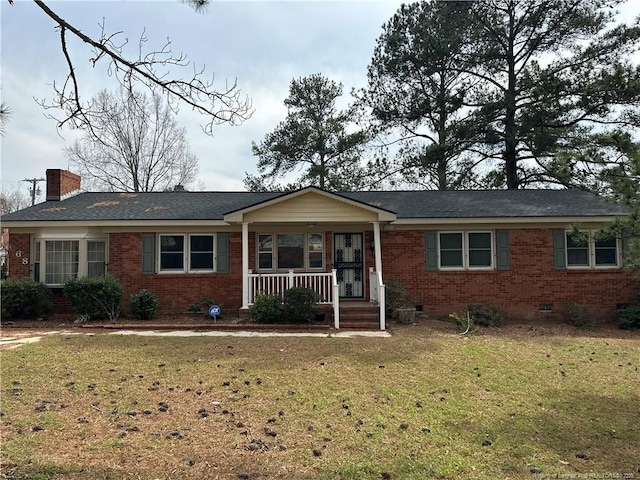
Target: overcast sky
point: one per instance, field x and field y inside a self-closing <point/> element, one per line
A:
<point x="262" y="44"/>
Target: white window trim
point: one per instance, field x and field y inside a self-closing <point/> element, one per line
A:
<point x="186" y="254"/>
<point x="83" y="263"/>
<point x="274" y="252"/>
<point x="591" y="253"/>
<point x="465" y="251"/>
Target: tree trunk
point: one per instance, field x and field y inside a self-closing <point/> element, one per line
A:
<point x="510" y="127"/>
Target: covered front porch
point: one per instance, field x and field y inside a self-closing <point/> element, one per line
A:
<point x="318" y="240"/>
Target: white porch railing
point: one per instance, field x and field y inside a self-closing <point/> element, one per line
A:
<point x="325" y="284"/>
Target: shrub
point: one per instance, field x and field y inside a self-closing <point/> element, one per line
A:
<point x="95" y="297"/>
<point x="486" y="315"/>
<point x="464" y="323"/>
<point x="24" y="298"/>
<point x="203" y="306"/>
<point x="144" y="304"/>
<point x="266" y="308"/>
<point x="298" y="305"/>
<point x="576" y="314"/>
<point x="629" y="318"/>
<point x="396" y="296"/>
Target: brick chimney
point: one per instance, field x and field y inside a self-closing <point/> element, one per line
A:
<point x="61" y="184"/>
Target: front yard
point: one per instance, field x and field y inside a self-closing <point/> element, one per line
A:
<point x="422" y="404"/>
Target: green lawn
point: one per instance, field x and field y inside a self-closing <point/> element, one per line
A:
<point x="422" y="404"/>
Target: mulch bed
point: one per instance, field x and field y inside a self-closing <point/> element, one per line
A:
<point x="168" y="322"/>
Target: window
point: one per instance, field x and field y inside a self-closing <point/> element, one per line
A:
<point x="589" y="252"/>
<point x="467" y="250"/>
<point x="61" y="261"/>
<point x="36" y="262"/>
<point x="172" y="252"/>
<point x="480" y="253"/>
<point x="265" y="252"/>
<point x="606" y="252"/>
<point x="56" y="260"/>
<point x="451" y="250"/>
<point x="577" y="251"/>
<point x="316" y="250"/>
<point x="96" y="259"/>
<point x="201" y="253"/>
<point x="187" y="253"/>
<point x="290" y="251"/>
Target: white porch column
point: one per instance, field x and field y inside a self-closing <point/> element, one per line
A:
<point x="381" y="286"/>
<point x="245" y="265"/>
<point x="378" y="251"/>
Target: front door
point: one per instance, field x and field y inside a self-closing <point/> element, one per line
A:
<point x="349" y="263"/>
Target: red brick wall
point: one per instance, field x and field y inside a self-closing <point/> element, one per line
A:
<point x="19" y="242"/>
<point x="531" y="281"/>
<point x="176" y="292"/>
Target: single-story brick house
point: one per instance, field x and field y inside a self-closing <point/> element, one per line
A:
<point x="448" y="249"/>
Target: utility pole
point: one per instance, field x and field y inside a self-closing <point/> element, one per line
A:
<point x="33" y="189"/>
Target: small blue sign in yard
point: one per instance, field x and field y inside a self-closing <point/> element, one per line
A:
<point x="214" y="311"/>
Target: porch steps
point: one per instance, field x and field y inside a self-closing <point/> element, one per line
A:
<point x="359" y="315"/>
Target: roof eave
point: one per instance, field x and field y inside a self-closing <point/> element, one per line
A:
<point x="112" y="223"/>
<point x="507" y="220"/>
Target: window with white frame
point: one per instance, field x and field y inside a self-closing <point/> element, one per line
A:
<point x="201" y="253"/>
<point x="172" y="253"/>
<point x="584" y="250"/>
<point x="96" y="259"/>
<point x="465" y="250"/>
<point x="57" y="260"/>
<point x="265" y="251"/>
<point x="187" y="253"/>
<point x="290" y="251"/>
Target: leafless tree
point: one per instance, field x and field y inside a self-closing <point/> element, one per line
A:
<point x="12" y="199"/>
<point x="134" y="145"/>
<point x="5" y="111"/>
<point x="151" y="68"/>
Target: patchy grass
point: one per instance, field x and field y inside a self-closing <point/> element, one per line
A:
<point x="422" y="404"/>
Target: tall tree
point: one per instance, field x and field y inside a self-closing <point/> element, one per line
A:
<point x="609" y="165"/>
<point x="315" y="138"/>
<point x="418" y="92"/>
<point x="134" y="145"/>
<point x="548" y="72"/>
<point x="505" y="82"/>
<point x="157" y="69"/>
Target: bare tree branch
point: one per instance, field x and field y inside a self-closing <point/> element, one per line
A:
<point x="152" y="70"/>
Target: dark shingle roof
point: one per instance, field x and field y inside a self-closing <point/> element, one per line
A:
<point x="491" y="203"/>
<point x="406" y="204"/>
